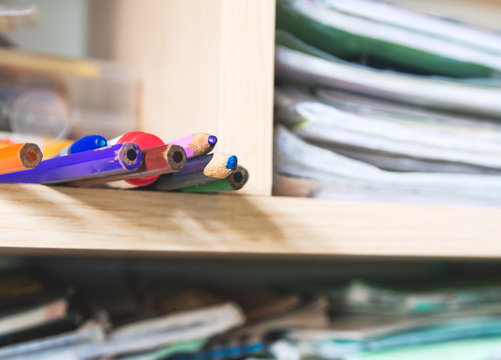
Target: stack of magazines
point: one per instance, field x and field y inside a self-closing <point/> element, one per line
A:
<point x="377" y="102"/>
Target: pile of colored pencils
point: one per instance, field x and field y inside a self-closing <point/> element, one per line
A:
<point x="136" y="159"/>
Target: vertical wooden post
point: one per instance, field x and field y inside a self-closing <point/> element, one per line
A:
<point x="203" y="65"/>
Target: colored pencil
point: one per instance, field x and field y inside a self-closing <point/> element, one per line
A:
<point x="49" y="146"/>
<point x="156" y="161"/>
<point x="197" y="171"/>
<point x="86" y="143"/>
<point x="197" y="144"/>
<point x="144" y="141"/>
<point x="115" y="159"/>
<point x="235" y="181"/>
<point x="19" y="157"/>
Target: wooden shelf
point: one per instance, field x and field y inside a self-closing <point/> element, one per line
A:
<point x="55" y="220"/>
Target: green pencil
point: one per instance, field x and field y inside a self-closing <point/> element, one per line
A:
<point x="235" y="181"/>
<point x="198" y="170"/>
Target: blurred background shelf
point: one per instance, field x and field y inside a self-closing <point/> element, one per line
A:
<point x="62" y="220"/>
<point x="209" y="66"/>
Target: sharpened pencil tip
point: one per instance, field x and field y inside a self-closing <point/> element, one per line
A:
<point x="232" y="162"/>
<point x="212" y="140"/>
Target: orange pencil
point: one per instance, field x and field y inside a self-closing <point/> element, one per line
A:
<point x="19" y="157"/>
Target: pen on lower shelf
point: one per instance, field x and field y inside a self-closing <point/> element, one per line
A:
<point x="144" y="141"/>
<point x="197" y="144"/>
<point x="156" y="161"/>
<point x="235" y="181"/>
<point x="19" y="157"/>
<point x="89" y="142"/>
<point x="197" y="171"/>
<point x="110" y="160"/>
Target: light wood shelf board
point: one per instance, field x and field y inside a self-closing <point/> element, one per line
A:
<point x="62" y="219"/>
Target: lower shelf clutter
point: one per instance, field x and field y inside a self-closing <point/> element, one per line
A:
<point x="84" y="308"/>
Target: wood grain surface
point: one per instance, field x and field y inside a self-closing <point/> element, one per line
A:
<point x="54" y="220"/>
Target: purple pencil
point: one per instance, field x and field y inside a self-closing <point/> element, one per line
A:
<point x="116" y="159"/>
<point x="197" y="144"/>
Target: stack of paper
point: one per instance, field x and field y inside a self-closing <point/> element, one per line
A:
<point x="383" y="103"/>
<point x="139" y="336"/>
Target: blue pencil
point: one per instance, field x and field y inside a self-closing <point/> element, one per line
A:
<point x="116" y="159"/>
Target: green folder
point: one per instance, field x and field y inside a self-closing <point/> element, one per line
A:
<point x="295" y="17"/>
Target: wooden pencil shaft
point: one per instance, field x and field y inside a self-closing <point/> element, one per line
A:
<point x="195" y="172"/>
<point x="19" y="157"/>
<point x="197" y="144"/>
<point x="202" y="144"/>
<point x="238" y="178"/>
<point x="156" y="161"/>
<point x="164" y="159"/>
<point x="235" y="181"/>
<point x="84" y="165"/>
